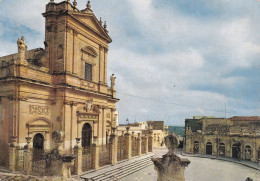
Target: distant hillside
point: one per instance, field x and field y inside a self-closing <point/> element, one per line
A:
<point x="177" y="130"/>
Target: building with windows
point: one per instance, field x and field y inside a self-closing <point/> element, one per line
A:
<point x="62" y="86"/>
<point x="157" y="129"/>
<point x="237" y="137"/>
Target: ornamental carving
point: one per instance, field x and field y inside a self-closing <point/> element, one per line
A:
<point x="108" y="115"/>
<point x="72" y="103"/>
<point x="39" y="110"/>
<point x="88" y="85"/>
<point x="96" y="109"/>
<point x="217" y="129"/>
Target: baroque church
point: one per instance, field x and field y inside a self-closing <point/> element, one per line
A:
<point x="61" y="87"/>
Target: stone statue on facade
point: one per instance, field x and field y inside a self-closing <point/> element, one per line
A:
<point x="170" y="167"/>
<point x="113" y="80"/>
<point x="22" y="48"/>
<point x="88" y="105"/>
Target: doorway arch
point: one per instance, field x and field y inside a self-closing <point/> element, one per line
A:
<point x="196" y="147"/>
<point x="222" y="149"/>
<point x="235" y="151"/>
<point x="38" y="141"/>
<point x="248" y="152"/>
<point x="209" y="148"/>
<point x="86" y="135"/>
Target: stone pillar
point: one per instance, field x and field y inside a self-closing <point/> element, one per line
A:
<point x="67" y="164"/>
<point x="95" y="154"/>
<point x="113" y="149"/>
<point x="139" y="145"/>
<point x="150" y="143"/>
<point x="12" y="155"/>
<point x="27" y="157"/>
<point x="128" y="140"/>
<point x="145" y="144"/>
<point x="78" y="159"/>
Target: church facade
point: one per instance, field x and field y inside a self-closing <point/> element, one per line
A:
<point x="62" y="86"/>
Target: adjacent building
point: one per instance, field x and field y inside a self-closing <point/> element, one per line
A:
<point x="157" y="129"/>
<point x="237" y="137"/>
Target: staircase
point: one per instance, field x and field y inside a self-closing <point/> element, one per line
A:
<point x="120" y="170"/>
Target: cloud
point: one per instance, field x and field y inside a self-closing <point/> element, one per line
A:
<point x="179" y="58"/>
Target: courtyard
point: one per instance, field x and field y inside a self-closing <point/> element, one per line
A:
<point x="201" y="169"/>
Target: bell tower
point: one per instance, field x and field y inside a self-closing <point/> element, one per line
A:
<point x="76" y="42"/>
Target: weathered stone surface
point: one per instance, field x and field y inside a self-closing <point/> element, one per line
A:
<point x="170" y="167"/>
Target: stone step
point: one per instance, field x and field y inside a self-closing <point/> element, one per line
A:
<point x="103" y="170"/>
<point x="123" y="171"/>
<point x="120" y="170"/>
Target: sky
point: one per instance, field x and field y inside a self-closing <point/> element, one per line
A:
<point x="173" y="59"/>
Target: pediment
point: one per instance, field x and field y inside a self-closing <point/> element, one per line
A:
<point x="92" y="23"/>
<point x="89" y="50"/>
<point x="39" y="122"/>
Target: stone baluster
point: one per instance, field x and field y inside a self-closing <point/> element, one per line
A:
<point x="95" y="154"/>
<point x="78" y="159"/>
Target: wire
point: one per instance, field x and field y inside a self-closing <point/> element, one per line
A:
<point x="167" y="102"/>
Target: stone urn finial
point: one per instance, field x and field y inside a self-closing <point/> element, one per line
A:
<point x="75" y="3"/>
<point x="127" y="129"/>
<point x="58" y="138"/>
<point x="28" y="141"/>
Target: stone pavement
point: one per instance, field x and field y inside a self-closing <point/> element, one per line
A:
<point x="4" y="176"/>
<point x="246" y="163"/>
<point x="201" y="169"/>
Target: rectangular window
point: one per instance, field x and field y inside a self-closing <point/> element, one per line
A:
<point x="88" y="72"/>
